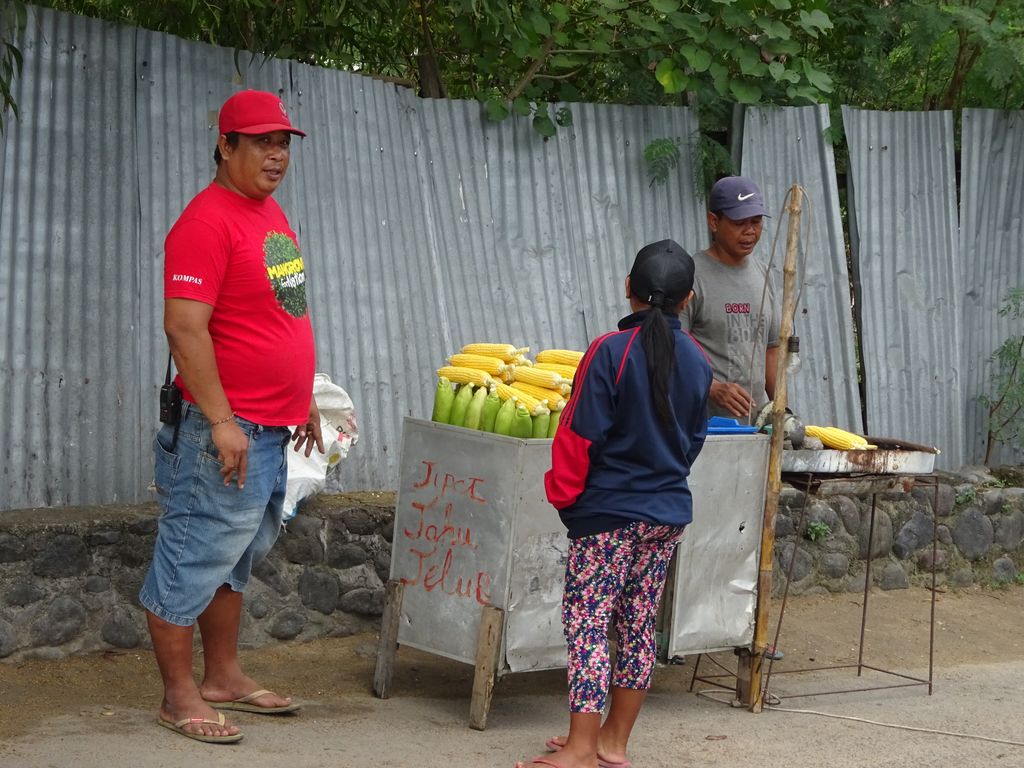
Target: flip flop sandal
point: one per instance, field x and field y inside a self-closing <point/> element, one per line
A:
<point x="179" y="727"/>
<point x="244" y="704"/>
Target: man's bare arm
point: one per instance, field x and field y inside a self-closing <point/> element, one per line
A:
<point x="771" y="369"/>
<point x="186" y="324"/>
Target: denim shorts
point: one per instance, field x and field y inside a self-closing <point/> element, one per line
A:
<point x="211" y="534"/>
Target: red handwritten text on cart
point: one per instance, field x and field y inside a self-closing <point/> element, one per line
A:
<point x="436" y="536"/>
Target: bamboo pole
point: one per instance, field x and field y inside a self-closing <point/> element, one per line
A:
<point x="753" y="698"/>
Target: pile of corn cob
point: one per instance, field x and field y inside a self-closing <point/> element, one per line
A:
<point x="839" y="439"/>
<point x="497" y="388"/>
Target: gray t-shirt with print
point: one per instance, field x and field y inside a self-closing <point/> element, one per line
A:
<point x="728" y="318"/>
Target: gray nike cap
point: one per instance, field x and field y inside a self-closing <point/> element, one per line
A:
<point x="736" y="197"/>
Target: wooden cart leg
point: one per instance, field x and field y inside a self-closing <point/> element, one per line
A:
<point x="388" y="640"/>
<point x="488" y="650"/>
<point x="748" y="665"/>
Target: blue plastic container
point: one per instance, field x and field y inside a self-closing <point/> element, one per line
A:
<point x="720" y="425"/>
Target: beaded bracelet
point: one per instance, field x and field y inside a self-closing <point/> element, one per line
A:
<point x="225" y="420"/>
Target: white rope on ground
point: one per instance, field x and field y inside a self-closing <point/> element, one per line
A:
<point x="773" y="707"/>
<point x="776" y="708"/>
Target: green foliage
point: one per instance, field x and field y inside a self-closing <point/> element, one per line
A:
<point x="543" y="52"/>
<point x="517" y="58"/>
<point x="926" y="55"/>
<point x="1004" y="403"/>
<point x="1004" y="583"/>
<point x="661" y="156"/>
<point x="12" y="22"/>
<point x="966" y="497"/>
<point x="817" y="530"/>
<point x="711" y="161"/>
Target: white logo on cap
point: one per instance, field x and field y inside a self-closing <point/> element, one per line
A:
<point x="283" y="110"/>
<point x="741" y="198"/>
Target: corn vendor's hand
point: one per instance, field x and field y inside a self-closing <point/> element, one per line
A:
<point x="732" y="397"/>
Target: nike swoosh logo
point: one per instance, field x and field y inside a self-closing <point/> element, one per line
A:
<point x="741" y="198"/>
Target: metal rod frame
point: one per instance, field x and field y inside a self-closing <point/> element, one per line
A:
<point x="860" y="666"/>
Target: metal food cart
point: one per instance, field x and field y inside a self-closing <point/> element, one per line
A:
<point x="478" y="555"/>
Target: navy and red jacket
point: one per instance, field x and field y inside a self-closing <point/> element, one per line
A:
<point x="612" y="461"/>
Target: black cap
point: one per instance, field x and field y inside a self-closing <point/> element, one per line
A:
<point x="662" y="274"/>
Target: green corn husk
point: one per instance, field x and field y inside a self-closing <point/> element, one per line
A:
<point x="460" y="405"/>
<point x="540" y="424"/>
<point x="491" y="407"/>
<point x="503" y="421"/>
<point x="553" y="423"/>
<point x="522" y="422"/>
<point x="444" y="396"/>
<point x="476" y="408"/>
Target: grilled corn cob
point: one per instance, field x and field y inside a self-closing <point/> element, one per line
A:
<point x="506" y="393"/>
<point x="460" y="375"/>
<point x="563" y="356"/>
<point x="552" y="397"/>
<point x="567" y="372"/>
<point x="541" y="378"/>
<point x="833" y="437"/>
<point x="493" y="365"/>
<point x="506" y="352"/>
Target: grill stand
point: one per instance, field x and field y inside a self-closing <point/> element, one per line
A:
<point x="813" y="484"/>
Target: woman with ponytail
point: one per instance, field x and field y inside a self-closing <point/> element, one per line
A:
<point x="626" y="441"/>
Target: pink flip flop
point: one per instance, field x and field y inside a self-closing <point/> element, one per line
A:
<point x="554" y="746"/>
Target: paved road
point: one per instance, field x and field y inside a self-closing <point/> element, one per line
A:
<point x="676" y="729"/>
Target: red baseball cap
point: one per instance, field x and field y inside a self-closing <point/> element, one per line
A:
<point x="252" y="112"/>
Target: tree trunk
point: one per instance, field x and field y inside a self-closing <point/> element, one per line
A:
<point x="431" y="86"/>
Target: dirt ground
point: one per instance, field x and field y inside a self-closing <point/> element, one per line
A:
<point x="974" y="626"/>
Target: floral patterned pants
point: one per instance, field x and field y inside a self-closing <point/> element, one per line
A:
<point x="620" y="572"/>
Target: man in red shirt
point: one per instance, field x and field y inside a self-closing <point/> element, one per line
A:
<point x="237" y="324"/>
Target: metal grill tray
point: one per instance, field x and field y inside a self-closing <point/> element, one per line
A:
<point x="880" y="461"/>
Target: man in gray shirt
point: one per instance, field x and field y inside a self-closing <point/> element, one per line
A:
<point x="733" y="313"/>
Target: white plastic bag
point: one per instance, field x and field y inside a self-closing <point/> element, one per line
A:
<point x="308" y="474"/>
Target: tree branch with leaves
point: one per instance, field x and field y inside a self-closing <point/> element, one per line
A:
<point x="13" y="18"/>
<point x="1004" y="405"/>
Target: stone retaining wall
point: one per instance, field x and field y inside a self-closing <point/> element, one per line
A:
<point x="69" y="578"/>
<point x="980" y="528"/>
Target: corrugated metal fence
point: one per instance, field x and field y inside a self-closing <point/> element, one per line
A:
<point x="425" y="227"/>
<point x="908" y="268"/>
<point x="992" y="250"/>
